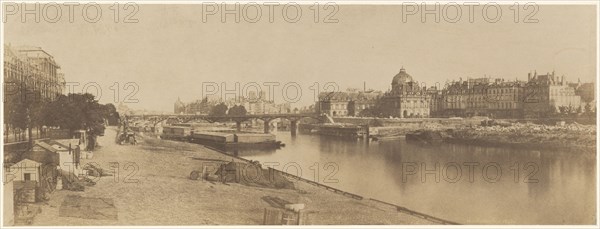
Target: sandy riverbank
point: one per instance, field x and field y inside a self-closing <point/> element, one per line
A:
<point x="163" y="194"/>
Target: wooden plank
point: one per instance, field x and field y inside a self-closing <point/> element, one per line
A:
<point x="272" y="216"/>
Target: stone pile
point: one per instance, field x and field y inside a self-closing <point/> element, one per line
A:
<point x="529" y="128"/>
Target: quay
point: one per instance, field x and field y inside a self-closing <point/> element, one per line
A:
<point x="356" y="197"/>
<point x="164" y="167"/>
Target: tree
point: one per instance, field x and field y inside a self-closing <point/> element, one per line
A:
<point x="376" y="110"/>
<point x="110" y="114"/>
<point x="76" y="112"/>
<point x="237" y="111"/>
<point x="562" y="109"/>
<point x="23" y="111"/>
<point x="219" y="110"/>
<point x="367" y="112"/>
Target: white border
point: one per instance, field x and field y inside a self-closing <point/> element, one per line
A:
<point x="345" y="2"/>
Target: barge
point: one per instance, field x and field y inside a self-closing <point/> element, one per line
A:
<point x="336" y="130"/>
<point x="235" y="140"/>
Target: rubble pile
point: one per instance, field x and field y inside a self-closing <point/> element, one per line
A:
<point x="528" y="134"/>
<point x="433" y="126"/>
<point x="96" y="171"/>
<point x="530" y="128"/>
<point x="73" y="183"/>
<point x="250" y="174"/>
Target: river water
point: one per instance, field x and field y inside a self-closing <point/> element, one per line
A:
<point x="461" y="183"/>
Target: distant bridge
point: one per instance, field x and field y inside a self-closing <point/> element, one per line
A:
<point x="238" y="119"/>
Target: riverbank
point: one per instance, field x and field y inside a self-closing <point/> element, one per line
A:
<point x="572" y="137"/>
<point x="504" y="133"/>
<point x="152" y="187"/>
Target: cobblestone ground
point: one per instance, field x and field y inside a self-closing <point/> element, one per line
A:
<point x="151" y="187"/>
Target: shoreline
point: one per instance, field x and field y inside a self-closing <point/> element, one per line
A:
<point x="549" y="145"/>
<point x="572" y="137"/>
<point x="162" y="193"/>
<point x="333" y="191"/>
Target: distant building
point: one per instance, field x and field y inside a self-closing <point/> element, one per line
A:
<point x="493" y="97"/>
<point x="406" y="98"/>
<point x="454" y="99"/>
<point x="435" y="101"/>
<point x="545" y="94"/>
<point x="364" y="100"/>
<point x="505" y="99"/>
<point x="333" y="103"/>
<point x="254" y="104"/>
<point x="32" y="68"/>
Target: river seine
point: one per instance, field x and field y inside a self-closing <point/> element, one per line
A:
<point x="461" y="183"/>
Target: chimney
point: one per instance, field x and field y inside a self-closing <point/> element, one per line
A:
<point x="364" y="86"/>
<point x="529" y="76"/>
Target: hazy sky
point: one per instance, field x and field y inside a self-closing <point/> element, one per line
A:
<point x="170" y="52"/>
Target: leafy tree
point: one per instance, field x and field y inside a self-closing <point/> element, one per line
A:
<point x="76" y="112"/>
<point x="219" y="110"/>
<point x="237" y="110"/>
<point x="23" y="111"/>
<point x="562" y="109"/>
<point x="110" y="114"/>
<point x="367" y="112"/>
<point x="377" y="110"/>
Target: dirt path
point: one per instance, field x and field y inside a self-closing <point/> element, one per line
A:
<point x="151" y="187"/>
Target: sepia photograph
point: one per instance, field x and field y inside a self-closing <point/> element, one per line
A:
<point x="382" y="114"/>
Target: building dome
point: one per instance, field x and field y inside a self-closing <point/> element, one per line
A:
<point x="402" y="77"/>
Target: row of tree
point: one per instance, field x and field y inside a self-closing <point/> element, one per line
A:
<point x="221" y="109"/>
<point x="574" y="111"/>
<point x="71" y="112"/>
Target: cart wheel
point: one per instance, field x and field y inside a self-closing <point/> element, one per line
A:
<point x="194" y="175"/>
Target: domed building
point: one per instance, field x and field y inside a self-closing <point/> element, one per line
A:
<point x="407" y="98"/>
